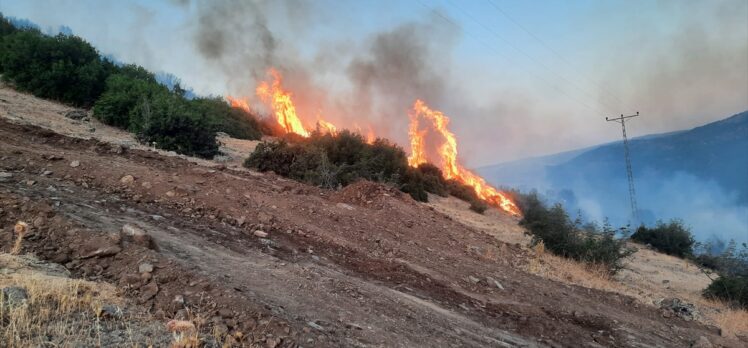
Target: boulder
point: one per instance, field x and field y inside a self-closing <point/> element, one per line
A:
<point x="127" y="179"/>
<point x="76" y="115"/>
<point x="75" y="164"/>
<point x="677" y="307"/>
<point x="145" y="267"/>
<point x="14" y="296"/>
<point x="148" y="291"/>
<point x="138" y="236"/>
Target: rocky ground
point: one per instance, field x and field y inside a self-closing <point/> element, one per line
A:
<point x="257" y="260"/>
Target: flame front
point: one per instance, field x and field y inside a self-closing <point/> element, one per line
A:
<point x="328" y="127"/>
<point x="238" y="103"/>
<point x="448" y="156"/>
<point x="280" y="101"/>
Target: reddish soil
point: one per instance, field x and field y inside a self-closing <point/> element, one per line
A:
<point x="365" y="266"/>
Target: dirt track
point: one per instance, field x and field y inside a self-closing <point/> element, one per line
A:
<point x="365" y="267"/>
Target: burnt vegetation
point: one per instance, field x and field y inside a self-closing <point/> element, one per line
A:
<point x="68" y="69"/>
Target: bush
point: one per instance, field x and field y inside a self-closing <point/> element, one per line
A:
<point x="64" y="68"/>
<point x="168" y="121"/>
<point x="731" y="289"/>
<point x="732" y="266"/>
<point x="235" y="122"/>
<point x="672" y="238"/>
<point x="124" y="91"/>
<point x="6" y="27"/>
<point x="570" y="239"/>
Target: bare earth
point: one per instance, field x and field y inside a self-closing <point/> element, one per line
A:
<point x="290" y="265"/>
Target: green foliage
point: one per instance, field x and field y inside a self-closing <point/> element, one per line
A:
<point x="339" y="160"/>
<point x="170" y="122"/>
<point x="672" y="238"/>
<point x="731" y="289"/>
<point x="570" y="239"/>
<point x="63" y="67"/>
<point x="235" y="122"/>
<point x="6" y="27"/>
<point x="124" y="91"/>
<point x="732" y="266"/>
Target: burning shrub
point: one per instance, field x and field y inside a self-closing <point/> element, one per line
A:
<point x="64" y="67"/>
<point x="672" y="238"/>
<point x="568" y="238"/>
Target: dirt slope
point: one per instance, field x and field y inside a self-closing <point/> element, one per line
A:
<point x="292" y="265"/>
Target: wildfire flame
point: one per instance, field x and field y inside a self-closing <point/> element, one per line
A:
<point x="328" y="127"/>
<point x="448" y="156"/>
<point x="280" y="101"/>
<point x="238" y="103"/>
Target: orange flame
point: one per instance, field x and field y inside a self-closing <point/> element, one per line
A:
<point x="448" y="156"/>
<point x="239" y="103"/>
<point x="328" y="127"/>
<point x="281" y="103"/>
<point x="370" y="137"/>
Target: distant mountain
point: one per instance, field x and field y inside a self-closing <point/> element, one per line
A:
<point x="699" y="175"/>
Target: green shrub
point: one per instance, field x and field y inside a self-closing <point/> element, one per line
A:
<point x="235" y="122"/>
<point x="672" y="238"/>
<point x="124" y="91"/>
<point x="570" y="239"/>
<point x="168" y="121"/>
<point x="64" y="68"/>
<point x="732" y="267"/>
<point x="6" y="27"/>
<point x="731" y="289"/>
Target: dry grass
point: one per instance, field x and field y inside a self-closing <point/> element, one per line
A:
<point x="54" y="305"/>
<point x="20" y="230"/>
<point x="651" y="268"/>
<point x="64" y="312"/>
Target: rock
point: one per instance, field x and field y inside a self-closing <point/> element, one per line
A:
<point x="345" y="206"/>
<point x="130" y="280"/>
<point x="104" y="251"/>
<point x="145" y="268"/>
<point x="110" y="312"/>
<point x="76" y="115"/>
<point x="138" y="236"/>
<point x="178" y="299"/>
<point x="117" y="149"/>
<point x="75" y="164"/>
<point x="264" y="218"/>
<point x="260" y="234"/>
<point x="146" y="185"/>
<point x="474" y="280"/>
<point x="29" y="182"/>
<point x="5" y="176"/>
<point x="225" y="313"/>
<point x="127" y="180"/>
<point x="47" y="172"/>
<point x="315" y="326"/>
<point x="494" y="282"/>
<point x="676" y="306"/>
<point x="14" y="296"/>
<point x="148" y="291"/>
<point x="702" y="342"/>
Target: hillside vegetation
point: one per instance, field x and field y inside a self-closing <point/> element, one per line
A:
<point x="68" y="69"/>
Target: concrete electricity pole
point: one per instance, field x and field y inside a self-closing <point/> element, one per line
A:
<point x="629" y="173"/>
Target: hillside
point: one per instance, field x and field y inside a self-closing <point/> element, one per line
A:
<point x="697" y="175"/>
<point x="264" y="261"/>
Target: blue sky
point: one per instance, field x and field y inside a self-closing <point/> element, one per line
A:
<point x="518" y="78"/>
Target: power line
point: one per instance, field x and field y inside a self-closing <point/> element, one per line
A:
<point x="528" y="56"/>
<point x="629" y="173"/>
<point x="536" y="75"/>
<point x="556" y="53"/>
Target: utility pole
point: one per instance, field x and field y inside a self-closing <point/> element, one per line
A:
<point x="629" y="173"/>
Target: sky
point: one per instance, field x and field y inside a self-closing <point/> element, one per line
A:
<point x="517" y="78"/>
